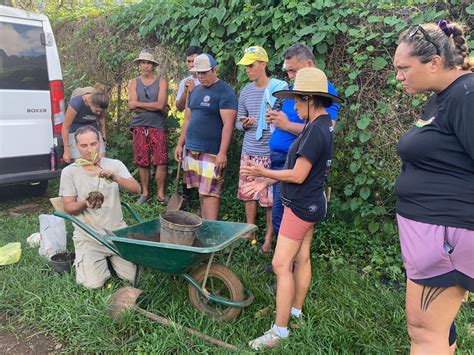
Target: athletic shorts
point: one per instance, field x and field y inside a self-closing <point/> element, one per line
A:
<point x="437" y="256"/>
<point x="149" y="141"/>
<point x="293" y="227"/>
<point x="265" y="197"/>
<point x="73" y="147"/>
<point x="200" y="172"/>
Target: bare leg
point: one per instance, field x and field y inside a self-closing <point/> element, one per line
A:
<point x="144" y="180"/>
<point x="285" y="253"/>
<point x="210" y="207"/>
<point x="250" y="216"/>
<point x="302" y="271"/>
<point x="430" y="312"/>
<point x="267" y="245"/>
<point x="160" y="178"/>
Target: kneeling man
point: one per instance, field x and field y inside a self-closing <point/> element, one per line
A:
<point x="92" y="173"/>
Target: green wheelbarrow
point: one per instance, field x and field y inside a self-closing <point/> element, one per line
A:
<point x="213" y="288"/>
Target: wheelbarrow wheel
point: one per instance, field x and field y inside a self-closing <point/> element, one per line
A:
<point x="222" y="282"/>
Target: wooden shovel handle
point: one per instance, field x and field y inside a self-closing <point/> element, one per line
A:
<point x="170" y="323"/>
<point x="178" y="175"/>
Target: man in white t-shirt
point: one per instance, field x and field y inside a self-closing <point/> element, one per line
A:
<point x="189" y="83"/>
<point x="92" y="173"/>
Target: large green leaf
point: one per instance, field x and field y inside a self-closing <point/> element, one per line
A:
<point x="379" y="63"/>
<point x="365" y="136"/>
<point x="364" y="192"/>
<point x="317" y="37"/>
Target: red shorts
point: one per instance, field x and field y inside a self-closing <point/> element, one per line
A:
<point x="293" y="227"/>
<point x="148" y="140"/>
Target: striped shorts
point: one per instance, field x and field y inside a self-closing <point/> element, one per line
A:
<point x="200" y="172"/>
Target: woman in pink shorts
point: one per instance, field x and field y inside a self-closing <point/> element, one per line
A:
<point x="435" y="189"/>
<point x="303" y="184"/>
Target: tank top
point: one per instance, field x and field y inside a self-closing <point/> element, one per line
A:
<point x="154" y="119"/>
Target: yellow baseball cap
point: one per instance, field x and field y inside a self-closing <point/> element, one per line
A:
<point x="253" y="54"/>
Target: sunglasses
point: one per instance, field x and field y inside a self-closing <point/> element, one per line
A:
<point x="425" y="34"/>
<point x="147" y="92"/>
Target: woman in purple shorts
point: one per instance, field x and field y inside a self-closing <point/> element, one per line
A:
<point x="435" y="189"/>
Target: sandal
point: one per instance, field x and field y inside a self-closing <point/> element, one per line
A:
<point x="142" y="200"/>
<point x="164" y="201"/>
<point x="261" y="251"/>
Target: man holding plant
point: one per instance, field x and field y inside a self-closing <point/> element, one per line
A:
<point x="104" y="176"/>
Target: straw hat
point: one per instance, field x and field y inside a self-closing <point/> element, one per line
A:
<point x="146" y="55"/>
<point x="308" y="82"/>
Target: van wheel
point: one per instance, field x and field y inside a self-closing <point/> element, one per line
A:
<point x="39" y="189"/>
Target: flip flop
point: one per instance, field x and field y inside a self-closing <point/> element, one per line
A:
<point x="142" y="200"/>
<point x="261" y="251"/>
<point x="164" y="201"/>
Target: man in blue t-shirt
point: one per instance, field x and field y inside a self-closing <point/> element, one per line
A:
<point x="287" y="123"/>
<point x="207" y="131"/>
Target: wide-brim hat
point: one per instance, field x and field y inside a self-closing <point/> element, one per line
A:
<point x="203" y="62"/>
<point x="145" y="55"/>
<point x="308" y="82"/>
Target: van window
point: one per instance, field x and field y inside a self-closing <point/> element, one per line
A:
<point x="22" y="58"/>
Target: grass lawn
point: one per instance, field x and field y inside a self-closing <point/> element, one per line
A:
<point x="346" y="311"/>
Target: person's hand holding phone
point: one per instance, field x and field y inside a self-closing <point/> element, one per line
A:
<point x="247" y="122"/>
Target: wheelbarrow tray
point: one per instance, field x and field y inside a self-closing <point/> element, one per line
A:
<point x="211" y="237"/>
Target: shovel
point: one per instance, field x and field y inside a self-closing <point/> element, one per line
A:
<point x="125" y="298"/>
<point x="176" y="200"/>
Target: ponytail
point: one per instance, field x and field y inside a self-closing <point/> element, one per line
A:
<point x="99" y="97"/>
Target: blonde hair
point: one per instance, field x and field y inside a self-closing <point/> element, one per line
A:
<point x="99" y="97"/>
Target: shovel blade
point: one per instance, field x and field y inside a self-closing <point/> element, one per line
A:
<point x="175" y="202"/>
<point x="123" y="299"/>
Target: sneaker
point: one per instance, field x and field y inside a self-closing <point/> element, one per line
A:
<point x="268" y="340"/>
<point x="142" y="200"/>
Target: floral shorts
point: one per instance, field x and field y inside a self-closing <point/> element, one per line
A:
<point x="146" y="141"/>
<point x="264" y="198"/>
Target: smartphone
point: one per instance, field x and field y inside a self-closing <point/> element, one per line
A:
<point x="269" y="107"/>
<point x="242" y="118"/>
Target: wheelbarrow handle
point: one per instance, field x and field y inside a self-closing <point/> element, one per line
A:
<point x="101" y="239"/>
<point x="132" y="211"/>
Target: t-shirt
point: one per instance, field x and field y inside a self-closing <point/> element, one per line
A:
<point x="84" y="116"/>
<point x="204" y="132"/>
<point x="308" y="200"/>
<point x="181" y="86"/>
<point x="436" y="184"/>
<point x="250" y="103"/>
<point x="75" y="181"/>
<point x="281" y="140"/>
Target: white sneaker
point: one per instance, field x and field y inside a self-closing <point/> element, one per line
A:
<point x="268" y="340"/>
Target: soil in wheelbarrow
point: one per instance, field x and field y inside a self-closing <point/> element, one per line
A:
<point x="156" y="238"/>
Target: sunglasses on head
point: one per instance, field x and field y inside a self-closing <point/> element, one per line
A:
<point x="425" y="34"/>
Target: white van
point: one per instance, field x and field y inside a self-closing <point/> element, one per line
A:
<point x="31" y="100"/>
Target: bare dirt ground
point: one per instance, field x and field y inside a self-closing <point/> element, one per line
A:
<point x="16" y="339"/>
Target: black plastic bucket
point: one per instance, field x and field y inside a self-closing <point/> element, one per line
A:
<point x="62" y="262"/>
<point x="179" y="227"/>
